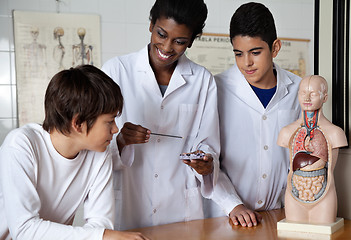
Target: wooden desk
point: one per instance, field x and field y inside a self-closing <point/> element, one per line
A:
<point x="222" y="229"/>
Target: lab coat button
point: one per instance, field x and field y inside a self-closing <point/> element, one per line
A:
<point x="264" y="176"/>
<point x="154" y="210"/>
<point x="265" y="147"/>
<point x="259" y="202"/>
<point x="156" y="175"/>
<point x="158" y="140"/>
<point x="162" y="107"/>
<point x="264" y="117"/>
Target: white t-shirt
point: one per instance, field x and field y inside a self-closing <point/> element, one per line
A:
<point x="40" y="191"/>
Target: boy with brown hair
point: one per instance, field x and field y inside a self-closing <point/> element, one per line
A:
<point x="47" y="171"/>
<point x="256" y="98"/>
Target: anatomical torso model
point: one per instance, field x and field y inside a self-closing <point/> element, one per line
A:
<point x="314" y="143"/>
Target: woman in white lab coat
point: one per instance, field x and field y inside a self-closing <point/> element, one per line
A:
<point x="165" y="93"/>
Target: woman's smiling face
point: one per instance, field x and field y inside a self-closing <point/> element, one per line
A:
<point x="169" y="40"/>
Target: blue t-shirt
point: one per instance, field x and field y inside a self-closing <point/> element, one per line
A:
<point x="265" y="95"/>
<point x="163" y="89"/>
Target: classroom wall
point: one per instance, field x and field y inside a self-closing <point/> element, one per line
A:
<point x="125" y="28"/>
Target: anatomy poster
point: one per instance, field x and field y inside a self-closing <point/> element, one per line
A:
<point x="294" y="56"/>
<point x="46" y="43"/>
<point x="215" y="52"/>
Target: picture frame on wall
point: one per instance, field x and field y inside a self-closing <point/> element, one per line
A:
<point x="46" y="43"/>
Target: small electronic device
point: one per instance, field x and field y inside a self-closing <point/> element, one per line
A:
<point x="189" y="156"/>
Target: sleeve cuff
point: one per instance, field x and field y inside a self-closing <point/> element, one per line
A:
<point x="123" y="160"/>
<point x="208" y="182"/>
<point x="229" y="203"/>
<point x="225" y="195"/>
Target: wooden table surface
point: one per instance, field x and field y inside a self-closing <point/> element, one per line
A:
<point x="221" y="228"/>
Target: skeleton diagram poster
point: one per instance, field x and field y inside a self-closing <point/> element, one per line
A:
<point x="46" y="43"/>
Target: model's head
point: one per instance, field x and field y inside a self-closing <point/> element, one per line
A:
<point x="191" y="13"/>
<point x="253" y="20"/>
<point x="313" y="92"/>
<point x="83" y="92"/>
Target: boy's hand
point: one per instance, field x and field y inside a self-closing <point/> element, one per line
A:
<point x="203" y="166"/>
<point x="119" y="235"/>
<point x="132" y="134"/>
<point x="244" y="216"/>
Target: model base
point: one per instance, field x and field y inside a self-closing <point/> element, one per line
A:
<point x="308" y="230"/>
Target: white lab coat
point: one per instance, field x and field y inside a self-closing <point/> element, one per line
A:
<point x="156" y="187"/>
<point x="256" y="166"/>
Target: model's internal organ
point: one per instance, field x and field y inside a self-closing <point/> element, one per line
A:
<point x="309" y="164"/>
<point x="308" y="187"/>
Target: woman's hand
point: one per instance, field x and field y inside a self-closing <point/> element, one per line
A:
<point x="132" y="134"/>
<point x="203" y="166"/>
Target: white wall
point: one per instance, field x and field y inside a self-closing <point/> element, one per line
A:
<point x="124" y="28"/>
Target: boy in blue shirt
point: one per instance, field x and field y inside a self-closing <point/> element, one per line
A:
<point x="256" y="98"/>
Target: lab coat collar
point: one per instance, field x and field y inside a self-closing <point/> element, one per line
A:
<point x="243" y="90"/>
<point x="143" y="58"/>
<point x="142" y="65"/>
<point x="283" y="81"/>
<point x="177" y="80"/>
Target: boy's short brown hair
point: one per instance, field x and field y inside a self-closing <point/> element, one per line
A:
<point x="85" y="91"/>
<point x="254" y="20"/>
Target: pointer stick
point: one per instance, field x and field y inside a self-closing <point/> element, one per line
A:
<point x="165" y="135"/>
